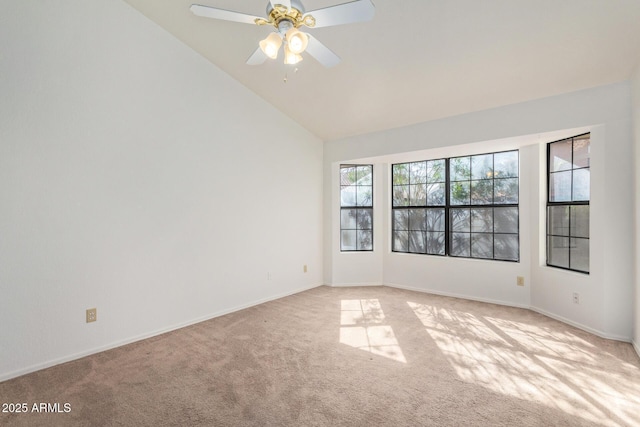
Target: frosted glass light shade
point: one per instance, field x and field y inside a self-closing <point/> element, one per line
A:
<point x="271" y="45"/>
<point x="291" y="58"/>
<point x="296" y="40"/>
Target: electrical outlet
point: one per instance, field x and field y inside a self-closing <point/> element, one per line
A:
<point x="269" y="275"/>
<point x="304" y="268"/>
<point x="520" y="281"/>
<point x="576" y="298"/>
<point x="92" y="315"/>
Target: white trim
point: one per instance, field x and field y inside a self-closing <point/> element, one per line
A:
<point x="596" y="332"/>
<point x="54" y="362"/>
<point x="578" y="325"/>
<point x="79" y="355"/>
<point x="354" y="285"/>
<point x="454" y="295"/>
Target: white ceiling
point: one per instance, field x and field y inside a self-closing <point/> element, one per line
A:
<point x="420" y="60"/>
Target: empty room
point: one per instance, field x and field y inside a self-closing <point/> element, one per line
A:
<point x="319" y="212"/>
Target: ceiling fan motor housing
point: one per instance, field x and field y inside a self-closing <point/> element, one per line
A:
<point x="284" y="19"/>
<point x="295" y="4"/>
<point x="284" y="25"/>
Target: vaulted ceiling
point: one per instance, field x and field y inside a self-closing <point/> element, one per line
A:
<point x="420" y="60"/>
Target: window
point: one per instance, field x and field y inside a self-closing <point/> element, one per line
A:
<point x="568" y="195"/>
<point x="356" y="207"/>
<point x="483" y="213"/>
<point x="462" y="207"/>
<point x="418" y="207"/>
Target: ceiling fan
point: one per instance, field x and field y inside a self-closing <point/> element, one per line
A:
<point x="287" y="16"/>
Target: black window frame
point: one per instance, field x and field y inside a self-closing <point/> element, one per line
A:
<point x="359" y="209"/>
<point x="447" y="208"/>
<point x="570" y="205"/>
<point x="409" y="209"/>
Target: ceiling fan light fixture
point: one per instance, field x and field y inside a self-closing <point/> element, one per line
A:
<point x="286" y="16"/>
<point x="296" y="40"/>
<point x="291" y="58"/>
<point x="271" y="45"/>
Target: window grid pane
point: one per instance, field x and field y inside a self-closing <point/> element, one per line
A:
<point x="419" y="230"/>
<point x="356" y="207"/>
<point x="568" y="198"/>
<point x="478" y="217"/>
<point x="480" y="184"/>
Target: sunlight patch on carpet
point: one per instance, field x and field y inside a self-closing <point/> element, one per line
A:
<point x="534" y="363"/>
<point x="363" y="326"/>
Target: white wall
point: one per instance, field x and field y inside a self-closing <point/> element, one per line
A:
<point x="137" y="178"/>
<point x="356" y="268"/>
<point x="605" y="295"/>
<point x="636" y="126"/>
<point x="469" y="278"/>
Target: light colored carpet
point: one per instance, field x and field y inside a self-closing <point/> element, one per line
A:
<point x="348" y="356"/>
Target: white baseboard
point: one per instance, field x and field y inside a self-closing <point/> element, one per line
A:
<point x="636" y="347"/>
<point x="37" y="367"/>
<point x="79" y="355"/>
<point x="353" y="285"/>
<point x="586" y="328"/>
<point x="578" y="325"/>
<point x="455" y="295"/>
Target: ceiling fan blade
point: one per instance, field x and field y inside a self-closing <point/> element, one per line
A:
<point x="346" y="13"/>
<point x="285" y="3"/>
<point x="258" y="57"/>
<point x="321" y="53"/>
<point x="226" y="15"/>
